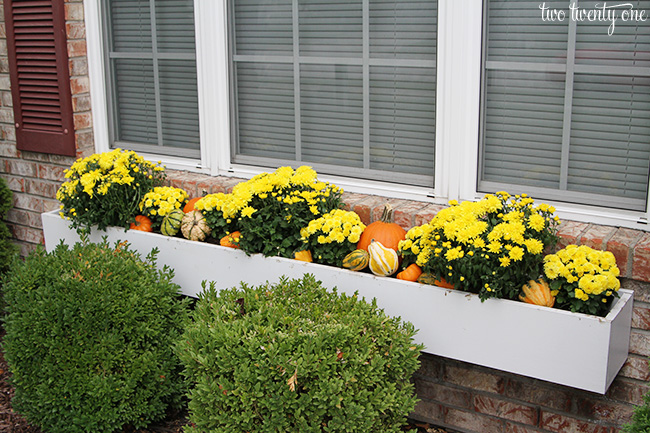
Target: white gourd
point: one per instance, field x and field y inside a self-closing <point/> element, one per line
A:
<point x="383" y="261"/>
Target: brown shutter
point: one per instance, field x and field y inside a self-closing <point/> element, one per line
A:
<point x="40" y="79"/>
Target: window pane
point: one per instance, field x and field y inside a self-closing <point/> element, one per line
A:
<point x="136" y="103"/>
<point x="265" y="104"/>
<point x="130" y="25"/>
<point x="332" y="95"/>
<point x="330" y="28"/>
<point x="402" y="119"/>
<point x="179" y="105"/>
<point x="523" y="128"/>
<point x="175" y="25"/>
<point x="263" y="28"/>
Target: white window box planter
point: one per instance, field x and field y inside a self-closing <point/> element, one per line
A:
<point x="576" y="350"/>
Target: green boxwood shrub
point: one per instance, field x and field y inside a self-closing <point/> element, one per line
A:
<point x="7" y="249"/>
<point x="90" y="336"/>
<point x="294" y="357"/>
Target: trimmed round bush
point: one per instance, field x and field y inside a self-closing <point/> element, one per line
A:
<point x="294" y="357"/>
<point x="8" y="250"/>
<point x="90" y="335"/>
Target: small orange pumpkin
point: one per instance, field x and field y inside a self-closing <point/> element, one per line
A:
<point x="189" y="207"/>
<point x="231" y="240"/>
<point x="142" y="223"/>
<point x="384" y="231"/>
<point x="537" y="292"/>
<point x="411" y="273"/>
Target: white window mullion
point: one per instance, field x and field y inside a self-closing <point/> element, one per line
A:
<point x="568" y="104"/>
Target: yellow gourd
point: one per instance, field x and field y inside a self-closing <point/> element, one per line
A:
<point x="303" y="256"/>
<point x="383" y="261"/>
<point x="537" y="292"/>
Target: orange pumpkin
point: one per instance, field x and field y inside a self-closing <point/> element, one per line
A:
<point x="142" y="223"/>
<point x="189" y="207"/>
<point x="231" y="240"/>
<point x="411" y="273"/>
<point x="384" y="231"/>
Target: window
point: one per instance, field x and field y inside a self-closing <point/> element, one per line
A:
<point x="152" y="88"/>
<point x="347" y="86"/>
<point x="566" y="108"/>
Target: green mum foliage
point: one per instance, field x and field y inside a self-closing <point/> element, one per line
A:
<point x="90" y="332"/>
<point x="7" y="249"/>
<point x="294" y="357"/>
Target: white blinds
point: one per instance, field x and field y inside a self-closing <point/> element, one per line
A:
<point x="347" y="86"/>
<point x="151" y="60"/>
<point x="566" y="111"/>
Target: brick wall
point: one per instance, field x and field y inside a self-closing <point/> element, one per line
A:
<point x="453" y="394"/>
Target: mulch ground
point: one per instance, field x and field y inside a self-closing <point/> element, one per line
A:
<point x="11" y="422"/>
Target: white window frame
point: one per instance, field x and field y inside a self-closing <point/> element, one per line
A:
<point x="459" y="58"/>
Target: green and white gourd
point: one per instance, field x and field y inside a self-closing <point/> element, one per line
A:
<point x="172" y="222"/>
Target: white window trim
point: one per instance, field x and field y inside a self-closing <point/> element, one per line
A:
<point x="457" y="110"/>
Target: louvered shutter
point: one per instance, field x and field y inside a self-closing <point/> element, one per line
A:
<point x="566" y="110"/>
<point x="347" y="87"/>
<point x="40" y="80"/>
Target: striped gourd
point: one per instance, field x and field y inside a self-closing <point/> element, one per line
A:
<point x="356" y="260"/>
<point x="172" y="222"/>
<point x="194" y="226"/>
<point x="383" y="261"/>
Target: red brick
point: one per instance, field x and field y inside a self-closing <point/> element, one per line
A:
<point x="597" y="236"/>
<point x="75" y="30"/>
<point x="22" y="217"/>
<point x="443" y="394"/>
<point x="78" y="66"/>
<point x="570" y="232"/>
<point x="42" y="188"/>
<point x="636" y="367"/>
<point x="82" y="120"/>
<point x="641" y="289"/>
<point x="535" y="393"/>
<point x="79" y="85"/>
<point x="516" y="428"/>
<point x="365" y="207"/>
<point x="36" y="156"/>
<point x="431" y="367"/>
<point x="474" y="379"/>
<point x="50" y="205"/>
<point x="472" y="422"/>
<point x="77" y="48"/>
<point x="378" y="211"/>
<point x="599" y="409"/>
<point x="425" y="215"/>
<point x="8" y="132"/>
<point x="22" y="168"/>
<point x="28" y="234"/>
<point x="74" y="12"/>
<point x="6" y="115"/>
<point x="621" y="245"/>
<point x="628" y="391"/>
<point x="428" y="411"/>
<point x="641" y="318"/>
<point x="28" y="202"/>
<point x="564" y="424"/>
<point x="505" y="409"/>
<point x="15" y="183"/>
<point x="350" y="199"/>
<point x="404" y="215"/>
<point x="81" y="102"/>
<point x="641" y="259"/>
<point x="51" y="172"/>
<point x="9" y="150"/>
<point x="639" y="343"/>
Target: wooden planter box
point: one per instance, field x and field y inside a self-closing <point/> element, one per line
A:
<point x="572" y="349"/>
